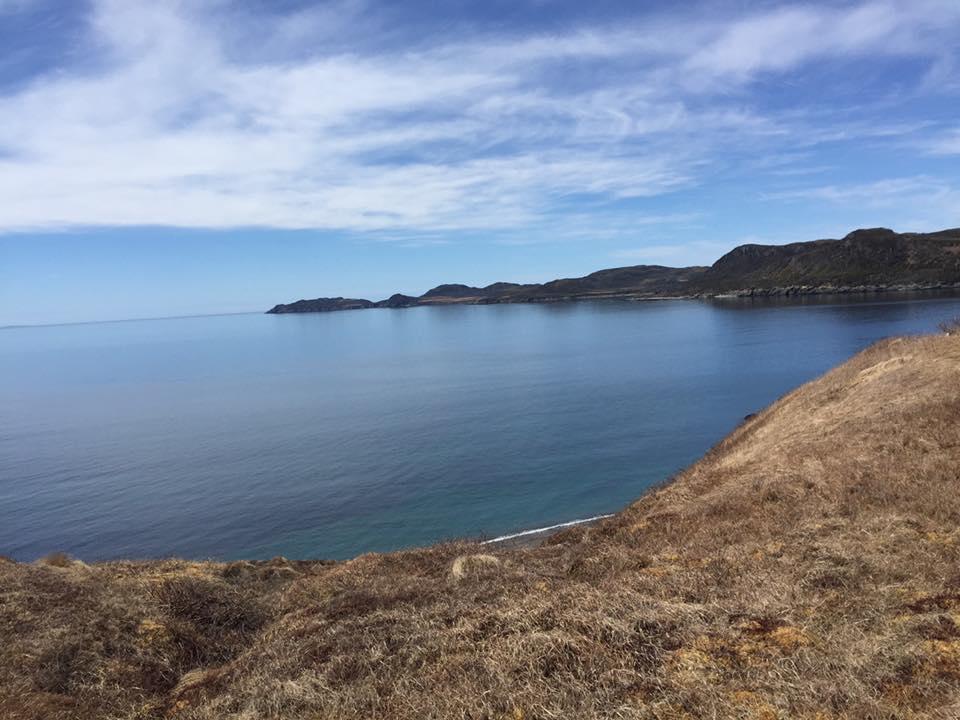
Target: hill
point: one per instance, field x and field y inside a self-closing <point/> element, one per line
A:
<point x="872" y="260"/>
<point x="877" y="257"/>
<point x="807" y="567"/>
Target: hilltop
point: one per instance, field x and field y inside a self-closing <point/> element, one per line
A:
<point x="807" y="567"/>
<point x="873" y="260"/>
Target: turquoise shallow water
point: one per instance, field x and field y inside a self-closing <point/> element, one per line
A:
<point x="329" y="435"/>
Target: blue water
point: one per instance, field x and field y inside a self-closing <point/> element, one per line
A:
<point x="328" y="435"/>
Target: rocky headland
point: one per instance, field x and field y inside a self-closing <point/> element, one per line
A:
<point x="865" y="261"/>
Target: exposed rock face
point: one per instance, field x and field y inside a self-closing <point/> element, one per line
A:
<point x="865" y="261"/>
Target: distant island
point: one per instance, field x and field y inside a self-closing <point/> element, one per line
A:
<point x="865" y="261"/>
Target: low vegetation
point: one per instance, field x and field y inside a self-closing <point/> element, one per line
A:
<point x="807" y="567"/>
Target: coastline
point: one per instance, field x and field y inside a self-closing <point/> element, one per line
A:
<point x="322" y="305"/>
<point x="746" y="563"/>
<point x="531" y="538"/>
<point x="865" y="261"/>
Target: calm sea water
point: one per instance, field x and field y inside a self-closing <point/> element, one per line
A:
<point x="329" y="435"/>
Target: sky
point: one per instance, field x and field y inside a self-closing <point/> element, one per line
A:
<point x="207" y="156"/>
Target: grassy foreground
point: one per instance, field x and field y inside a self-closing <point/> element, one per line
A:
<point x="807" y="567"/>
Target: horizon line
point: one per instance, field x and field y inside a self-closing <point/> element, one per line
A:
<point x="15" y="326"/>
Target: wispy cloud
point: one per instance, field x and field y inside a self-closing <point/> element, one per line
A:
<point x="196" y="115"/>
<point x="917" y="203"/>
<point x="879" y="192"/>
<point x="696" y="252"/>
<point x="946" y="144"/>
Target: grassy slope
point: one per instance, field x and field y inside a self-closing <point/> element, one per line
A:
<point x="808" y="566"/>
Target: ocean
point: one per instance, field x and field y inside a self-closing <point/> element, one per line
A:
<point x="330" y="435"/>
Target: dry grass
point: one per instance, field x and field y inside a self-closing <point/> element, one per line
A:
<point x="807" y="567"/>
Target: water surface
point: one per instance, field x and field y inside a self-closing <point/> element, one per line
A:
<point x="328" y="435"/>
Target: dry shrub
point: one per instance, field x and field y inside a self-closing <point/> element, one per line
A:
<point x="56" y="559"/>
<point x="208" y="620"/>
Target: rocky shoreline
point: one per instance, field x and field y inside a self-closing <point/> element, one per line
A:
<point x="801" y="290"/>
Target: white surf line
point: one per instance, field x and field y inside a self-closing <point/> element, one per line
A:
<point x="545" y="529"/>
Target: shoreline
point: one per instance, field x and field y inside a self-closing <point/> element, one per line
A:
<point x="529" y="538"/>
<point x="734" y="567"/>
<point x="325" y="305"/>
<point x="865" y="261"/>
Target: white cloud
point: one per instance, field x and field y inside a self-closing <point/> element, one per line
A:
<point x="784" y="38"/>
<point x="879" y="192"/>
<point x="172" y="124"/>
<point x="946" y="144"/>
<point x="919" y="203"/>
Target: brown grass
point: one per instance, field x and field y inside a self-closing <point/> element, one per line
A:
<point x="807" y="567"/>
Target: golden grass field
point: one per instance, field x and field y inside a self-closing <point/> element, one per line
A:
<point x="807" y="567"/>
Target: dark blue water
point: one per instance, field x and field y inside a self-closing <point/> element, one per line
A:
<point x="329" y="435"/>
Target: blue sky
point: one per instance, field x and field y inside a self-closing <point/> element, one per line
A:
<point x="202" y="156"/>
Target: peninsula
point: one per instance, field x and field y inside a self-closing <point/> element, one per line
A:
<point x="865" y="261"/>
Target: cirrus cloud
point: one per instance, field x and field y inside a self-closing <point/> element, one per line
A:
<point x="172" y="121"/>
